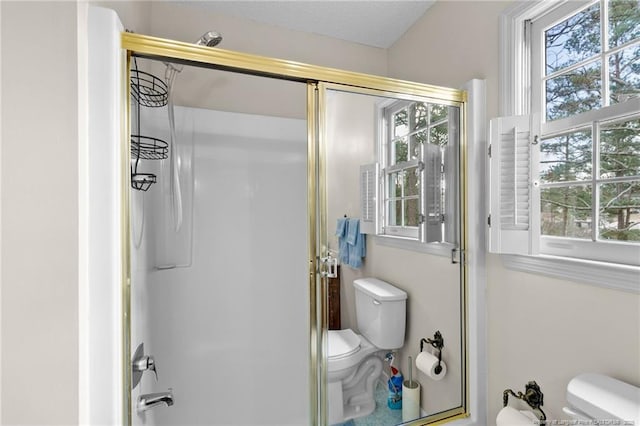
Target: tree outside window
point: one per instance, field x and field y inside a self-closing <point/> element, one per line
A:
<point x="590" y="177"/>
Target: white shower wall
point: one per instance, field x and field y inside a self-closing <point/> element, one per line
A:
<point x="230" y="333"/>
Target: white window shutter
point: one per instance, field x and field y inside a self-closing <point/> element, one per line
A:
<point x="434" y="213"/>
<point x="369" y="198"/>
<point x="514" y="197"/>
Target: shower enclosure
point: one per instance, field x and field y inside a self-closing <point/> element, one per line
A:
<point x="225" y="316"/>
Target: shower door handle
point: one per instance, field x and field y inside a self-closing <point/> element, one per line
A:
<point x="457" y="256"/>
<point x="331" y="265"/>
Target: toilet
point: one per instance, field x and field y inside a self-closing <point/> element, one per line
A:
<point x="354" y="361"/>
<point x="593" y="397"/>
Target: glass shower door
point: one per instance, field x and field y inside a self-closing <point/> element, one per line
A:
<point x="222" y="302"/>
<point x="391" y="168"/>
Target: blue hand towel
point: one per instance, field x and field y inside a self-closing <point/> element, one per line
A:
<point x="356" y="252"/>
<point x="356" y="244"/>
<point x="341" y="233"/>
<point x="353" y="229"/>
<point x="362" y="243"/>
<point x="355" y="261"/>
<point x="341" y="227"/>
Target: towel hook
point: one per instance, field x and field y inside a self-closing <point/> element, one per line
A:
<point x="532" y="395"/>
<point x="438" y="343"/>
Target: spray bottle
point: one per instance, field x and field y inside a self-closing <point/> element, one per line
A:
<point x="394" y="384"/>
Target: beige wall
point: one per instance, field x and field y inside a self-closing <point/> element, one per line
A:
<point x="550" y="330"/>
<point x="39" y="213"/>
<point x="539" y="328"/>
<point x="350" y="144"/>
<point x="452" y="43"/>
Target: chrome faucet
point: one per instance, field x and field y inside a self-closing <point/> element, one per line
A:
<point x="150" y="400"/>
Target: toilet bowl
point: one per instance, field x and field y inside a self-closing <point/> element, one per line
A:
<point x="354" y="361"/>
<point x="353" y="366"/>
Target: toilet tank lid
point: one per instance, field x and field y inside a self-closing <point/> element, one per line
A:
<point x="379" y="290"/>
<point x="603" y="397"/>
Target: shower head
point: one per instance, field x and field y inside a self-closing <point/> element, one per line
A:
<point x="209" y="39"/>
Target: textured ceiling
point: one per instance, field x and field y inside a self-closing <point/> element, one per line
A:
<point x="374" y="23"/>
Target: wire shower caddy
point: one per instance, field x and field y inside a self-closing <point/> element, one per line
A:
<point x="149" y="91"/>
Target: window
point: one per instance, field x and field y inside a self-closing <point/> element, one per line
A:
<point x="419" y="152"/>
<point x="585" y="59"/>
<point x="565" y="179"/>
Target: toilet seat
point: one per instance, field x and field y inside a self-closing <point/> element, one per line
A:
<point x="345" y="350"/>
<point x="342" y="343"/>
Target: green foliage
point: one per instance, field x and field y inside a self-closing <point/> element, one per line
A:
<point x="622" y="235"/>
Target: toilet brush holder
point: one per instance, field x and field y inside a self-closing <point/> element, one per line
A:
<point x="411" y="396"/>
<point x="410" y="400"/>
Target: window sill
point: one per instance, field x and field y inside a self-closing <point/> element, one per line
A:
<point x="601" y="274"/>
<point x="438" y="249"/>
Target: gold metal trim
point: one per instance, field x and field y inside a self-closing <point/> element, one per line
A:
<point x="323" y="250"/>
<point x="189" y="53"/>
<point x="426" y="95"/>
<point x="312" y="144"/>
<point x="460" y="416"/>
<point x="464" y="238"/>
<point x="125" y="235"/>
<point x="442" y="418"/>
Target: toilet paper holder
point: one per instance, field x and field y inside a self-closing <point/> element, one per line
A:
<point x="532" y="395"/>
<point x="438" y="343"/>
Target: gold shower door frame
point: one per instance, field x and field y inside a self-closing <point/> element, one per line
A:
<point x="318" y="80"/>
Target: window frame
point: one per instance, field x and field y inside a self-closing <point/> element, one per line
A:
<point x="417" y="239"/>
<point x="612" y="251"/>
<point x="388" y="152"/>
<point x="516" y="98"/>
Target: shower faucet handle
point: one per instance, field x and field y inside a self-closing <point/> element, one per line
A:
<point x="145" y="363"/>
<point x="140" y="364"/>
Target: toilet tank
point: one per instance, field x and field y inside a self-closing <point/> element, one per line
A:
<point x="596" y="396"/>
<point x="380" y="312"/>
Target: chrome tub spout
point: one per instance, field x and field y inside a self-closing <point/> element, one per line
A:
<point x="150" y="400"/>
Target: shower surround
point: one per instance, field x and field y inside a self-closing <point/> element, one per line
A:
<point x="229" y="326"/>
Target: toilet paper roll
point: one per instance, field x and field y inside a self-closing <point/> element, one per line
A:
<point x="509" y="416"/>
<point x="410" y="400"/>
<point x="427" y="363"/>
